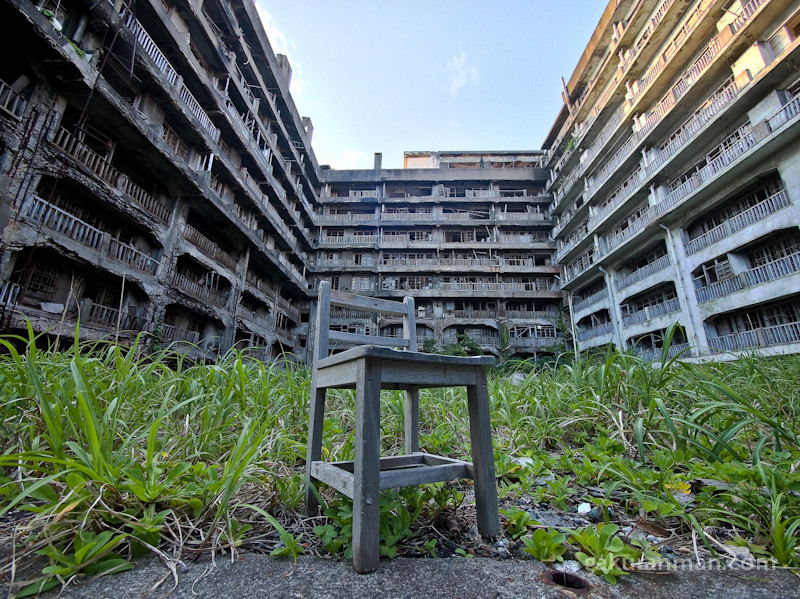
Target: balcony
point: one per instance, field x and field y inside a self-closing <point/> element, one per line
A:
<point x="132" y="257"/>
<point x="405" y="216"/>
<point x="111" y="318"/>
<point x="655" y="354"/>
<point x="642" y="273"/>
<point x="596" y="297"/>
<point x="97" y="164"/>
<point x="163" y="65"/>
<point x="471" y="314"/>
<point x="547" y="315"/>
<point x="598" y="331"/>
<point x="760" y="211"/>
<point x="63" y="222"/>
<point x="9" y="292"/>
<point x="208" y="247"/>
<point x="782" y="267"/>
<point x="712" y="106"/>
<point x="650" y="312"/>
<point x="10" y="101"/>
<point x="522" y="216"/>
<point x="253" y="317"/>
<point x="760" y="337"/>
<point x="76" y="149"/>
<point x="349" y="217"/>
<point x="521" y="343"/>
<point x="198" y="291"/>
<point x="174" y="334"/>
<point x="615" y="240"/>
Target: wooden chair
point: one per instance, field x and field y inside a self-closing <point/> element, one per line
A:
<point x="374" y="365"/>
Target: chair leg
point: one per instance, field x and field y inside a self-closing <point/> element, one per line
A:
<point x="316" y="419"/>
<point x="412" y="420"/>
<point x="480" y="430"/>
<point x="366" y="469"/>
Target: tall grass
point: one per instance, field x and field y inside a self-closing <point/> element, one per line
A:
<point x="177" y="457"/>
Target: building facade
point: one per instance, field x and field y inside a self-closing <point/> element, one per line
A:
<point x="676" y="178"/>
<point x="156" y="176"/>
<point x="466" y="233"/>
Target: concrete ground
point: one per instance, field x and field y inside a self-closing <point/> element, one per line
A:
<point x="257" y="575"/>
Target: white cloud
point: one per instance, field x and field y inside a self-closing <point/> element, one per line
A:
<point x="460" y="74"/>
<point x="349" y="159"/>
<point x="282" y="45"/>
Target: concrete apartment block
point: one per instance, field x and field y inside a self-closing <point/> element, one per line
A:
<point x="674" y="171"/>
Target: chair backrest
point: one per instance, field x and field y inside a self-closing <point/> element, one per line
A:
<point x="325" y="338"/>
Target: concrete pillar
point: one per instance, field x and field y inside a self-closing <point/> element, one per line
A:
<point x="684" y="286"/>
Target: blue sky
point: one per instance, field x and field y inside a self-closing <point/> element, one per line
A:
<point x="387" y="76"/>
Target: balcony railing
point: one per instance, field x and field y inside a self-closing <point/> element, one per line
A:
<point x="776" y="202"/>
<point x="642" y="273"/>
<point x="76" y="149"/>
<point x="11" y="101"/>
<point x="650" y="312"/>
<point x="782" y="267"/>
<point x="548" y="315"/>
<point x="346" y="217"/>
<point x="145" y="200"/>
<point x="208" y="247"/>
<point x="174" y="334"/>
<point x="198" y="291"/>
<point x="132" y="257"/>
<point x="110" y="318"/>
<point x="9" y="292"/>
<point x="603" y="329"/>
<point x="63" y="222"/>
<point x="787" y="113"/>
<point x="597" y="296"/>
<point x="471" y="314"/>
<point x="533" y="342"/>
<point x="760" y="337"/>
<point x="163" y="65"/>
<point x="633" y="228"/>
<point x="654" y="354"/>
<point x="406" y="216"/>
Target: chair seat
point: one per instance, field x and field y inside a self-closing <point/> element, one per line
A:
<point x="400" y="369"/>
<point x="395" y="471"/>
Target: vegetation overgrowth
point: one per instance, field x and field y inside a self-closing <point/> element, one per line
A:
<point x="107" y="455"/>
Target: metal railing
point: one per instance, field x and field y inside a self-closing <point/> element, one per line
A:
<point x="785" y="114"/>
<point x="597" y="296"/>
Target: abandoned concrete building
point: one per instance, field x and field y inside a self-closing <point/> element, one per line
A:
<point x="676" y="178"/>
<point x="157" y="177"/>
